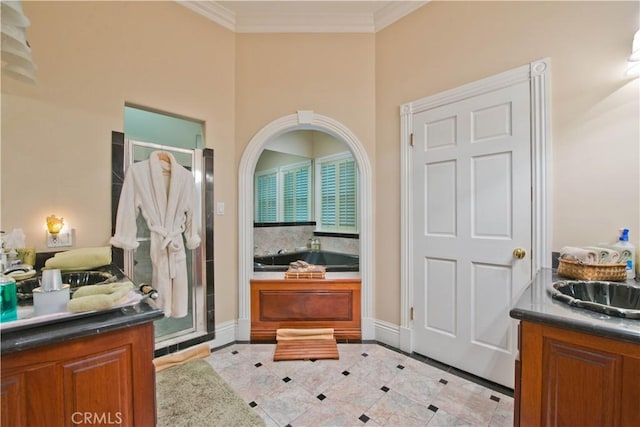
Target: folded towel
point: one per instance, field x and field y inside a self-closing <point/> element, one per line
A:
<point x="304" y="267"/>
<point x="304" y="334"/>
<point x="299" y="264"/>
<point x="97" y="302"/>
<point x="104" y="289"/>
<point x="82" y="258"/>
<point x="192" y="353"/>
<point x="605" y="255"/>
<point x="625" y="255"/>
<point x="581" y="255"/>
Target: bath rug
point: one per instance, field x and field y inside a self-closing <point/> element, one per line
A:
<point x="193" y="394"/>
<point x="306" y="349"/>
<point x="192" y="353"/>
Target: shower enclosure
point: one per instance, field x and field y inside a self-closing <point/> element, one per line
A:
<point x="137" y="264"/>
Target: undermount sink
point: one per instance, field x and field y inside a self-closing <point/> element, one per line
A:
<point x="614" y="299"/>
<point x="73" y="279"/>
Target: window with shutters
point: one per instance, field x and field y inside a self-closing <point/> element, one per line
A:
<point x="336" y="190"/>
<point x="266" y="195"/>
<point x="283" y="194"/>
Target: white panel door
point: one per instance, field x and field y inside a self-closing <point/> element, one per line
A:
<point x="472" y="208"/>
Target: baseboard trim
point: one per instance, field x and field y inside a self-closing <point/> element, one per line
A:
<point x="387" y="333"/>
<point x="384" y="332"/>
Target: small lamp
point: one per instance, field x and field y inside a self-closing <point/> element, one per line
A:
<point x="56" y="236"/>
<point x="54" y="224"/>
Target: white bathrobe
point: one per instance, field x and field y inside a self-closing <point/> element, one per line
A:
<point x="167" y="203"/>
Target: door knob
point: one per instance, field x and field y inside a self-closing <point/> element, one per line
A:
<point x="519" y="253"/>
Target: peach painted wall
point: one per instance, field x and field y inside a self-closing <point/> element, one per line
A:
<point x="595" y="109"/>
<point x="92" y="58"/>
<point x="279" y="74"/>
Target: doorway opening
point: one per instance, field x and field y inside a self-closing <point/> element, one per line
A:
<point x="302" y="120"/>
<point x="147" y="131"/>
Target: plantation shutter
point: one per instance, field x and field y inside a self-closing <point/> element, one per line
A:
<point x="328" y="191"/>
<point x="338" y="195"/>
<point x="347" y="194"/>
<point x="296" y="191"/>
<point x="267" y="198"/>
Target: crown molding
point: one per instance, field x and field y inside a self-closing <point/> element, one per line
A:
<point x="212" y="11"/>
<point x="304" y="22"/>
<point x="394" y="11"/>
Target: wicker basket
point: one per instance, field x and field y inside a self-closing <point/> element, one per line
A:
<point x="575" y="270"/>
<point x="304" y="275"/>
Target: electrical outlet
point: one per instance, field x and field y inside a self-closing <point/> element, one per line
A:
<point x="63" y="238"/>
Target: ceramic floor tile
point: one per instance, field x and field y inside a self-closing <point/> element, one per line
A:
<point x="286" y="403"/>
<point x="503" y="415"/>
<point x="270" y="422"/>
<point x="395" y="409"/>
<point x="415" y="385"/>
<point x="355" y="394"/>
<point x="317" y="377"/>
<point x="370" y="385"/>
<point x="376" y="371"/>
<point x="470" y="402"/>
<point x="443" y="419"/>
<point x="327" y="414"/>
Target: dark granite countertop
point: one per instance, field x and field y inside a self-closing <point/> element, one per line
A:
<point x="536" y="305"/>
<point x="52" y="329"/>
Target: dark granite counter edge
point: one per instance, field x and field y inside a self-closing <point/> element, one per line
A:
<point x="54" y="333"/>
<point x="573" y="325"/>
<point x="535" y="305"/>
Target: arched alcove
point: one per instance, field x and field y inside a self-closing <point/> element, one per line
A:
<point x="302" y="120"/>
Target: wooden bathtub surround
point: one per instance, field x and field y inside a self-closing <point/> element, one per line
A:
<point x="305" y="303"/>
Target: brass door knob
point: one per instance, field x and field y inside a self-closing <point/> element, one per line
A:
<point x="519" y="253"/>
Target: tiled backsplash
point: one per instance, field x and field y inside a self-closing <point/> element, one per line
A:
<point x="269" y="240"/>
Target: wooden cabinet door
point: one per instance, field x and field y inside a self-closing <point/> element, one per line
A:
<point x="573" y="379"/>
<point x="102" y="380"/>
<point x="32" y="397"/>
<point x="581" y="385"/>
<point x="98" y="390"/>
<point x="11" y="409"/>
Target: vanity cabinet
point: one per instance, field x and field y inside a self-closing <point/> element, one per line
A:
<point x="305" y="303"/>
<point x="568" y="378"/>
<point x="103" y="379"/>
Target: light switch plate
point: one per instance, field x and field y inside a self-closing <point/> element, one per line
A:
<point x="220" y="208"/>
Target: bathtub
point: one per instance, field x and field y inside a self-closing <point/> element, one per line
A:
<point x="334" y="261"/>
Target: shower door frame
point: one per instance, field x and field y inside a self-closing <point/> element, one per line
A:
<point x="198" y="297"/>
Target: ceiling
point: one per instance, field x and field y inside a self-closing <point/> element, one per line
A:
<point x="303" y="16"/>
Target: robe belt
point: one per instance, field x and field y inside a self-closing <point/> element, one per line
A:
<point x="172" y="250"/>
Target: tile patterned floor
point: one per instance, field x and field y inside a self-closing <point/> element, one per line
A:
<point x="369" y="386"/>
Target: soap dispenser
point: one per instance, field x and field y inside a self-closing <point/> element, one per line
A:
<point x="8" y="299"/>
<point x="627" y="252"/>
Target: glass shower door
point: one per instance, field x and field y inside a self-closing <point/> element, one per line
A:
<point x="138" y="263"/>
